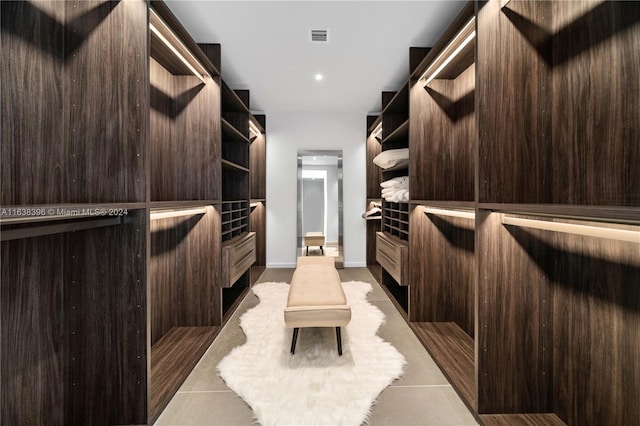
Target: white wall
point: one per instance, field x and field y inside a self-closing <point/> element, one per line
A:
<point x="288" y="132"/>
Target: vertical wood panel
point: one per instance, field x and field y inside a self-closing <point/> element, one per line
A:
<point x="185" y="137"/>
<point x="596" y="103"/>
<point x="33" y="332"/>
<point x="514" y="330"/>
<point x="596" y="323"/>
<point x="105" y="292"/>
<point x="374" y="173"/>
<point x="442" y="135"/>
<point x="33" y="143"/>
<point x="514" y="93"/>
<point x="258" y="167"/>
<point x="184" y="267"/>
<point x="442" y="258"/>
<point x="105" y="95"/>
<point x="257" y="224"/>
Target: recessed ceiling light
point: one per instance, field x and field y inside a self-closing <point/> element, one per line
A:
<point x="319" y="77"/>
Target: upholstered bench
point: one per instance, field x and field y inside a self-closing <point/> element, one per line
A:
<point x="316" y="298"/>
<point x="314" y="239"/>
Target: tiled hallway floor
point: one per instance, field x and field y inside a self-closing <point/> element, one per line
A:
<point x="422" y="396"/>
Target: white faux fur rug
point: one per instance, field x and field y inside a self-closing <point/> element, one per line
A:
<point x="315" y="386"/>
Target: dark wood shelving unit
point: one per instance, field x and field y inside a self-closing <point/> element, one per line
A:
<point x="453" y="350"/>
<point x="172" y="359"/>
<point x="401" y="132"/>
<point x="134" y="215"/>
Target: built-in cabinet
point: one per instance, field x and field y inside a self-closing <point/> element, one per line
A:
<point x="524" y="212"/>
<point x="126" y="185"/>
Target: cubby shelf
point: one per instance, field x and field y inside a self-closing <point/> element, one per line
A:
<point x="230" y="133"/>
<point x="233" y="166"/>
<point x="401" y="132"/>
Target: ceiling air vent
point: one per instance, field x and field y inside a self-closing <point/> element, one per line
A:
<point x="319" y="36"/>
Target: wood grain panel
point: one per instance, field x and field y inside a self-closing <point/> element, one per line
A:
<point x="105" y="298"/>
<point x="596" y="328"/>
<point x="185" y="137"/>
<point x="513" y="89"/>
<point x="521" y="420"/>
<point x="453" y="350"/>
<point x="258" y="167"/>
<point x="172" y="359"/>
<point x="105" y="94"/>
<point x="515" y="320"/>
<point x="257" y="224"/>
<point x="184" y="268"/>
<point x="442" y="270"/>
<point x="374" y="173"/>
<point x="34" y="363"/>
<point x="596" y="104"/>
<point x="442" y="135"/>
<point x="34" y="149"/>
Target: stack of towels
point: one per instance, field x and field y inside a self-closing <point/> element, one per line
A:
<point x="396" y="190"/>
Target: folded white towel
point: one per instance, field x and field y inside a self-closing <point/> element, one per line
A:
<point x="397" y="181"/>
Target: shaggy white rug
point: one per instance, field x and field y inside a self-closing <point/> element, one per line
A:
<point x="315" y="386"/>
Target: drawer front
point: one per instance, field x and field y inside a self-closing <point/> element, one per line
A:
<point x="393" y="257"/>
<point x="237" y="257"/>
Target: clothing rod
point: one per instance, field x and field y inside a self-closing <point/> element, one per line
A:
<point x="450" y="212"/>
<point x="570" y="228"/>
<point x="81" y="225"/>
<point x="177" y="213"/>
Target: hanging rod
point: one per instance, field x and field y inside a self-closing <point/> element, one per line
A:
<point x="469" y="33"/>
<point x="449" y="212"/>
<point x="253" y="129"/>
<point x="570" y="228"/>
<point x="177" y="213"/>
<point x="377" y="130"/>
<point x="71" y="226"/>
<point x="164" y="32"/>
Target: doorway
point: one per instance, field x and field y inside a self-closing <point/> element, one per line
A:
<point x="320" y="204"/>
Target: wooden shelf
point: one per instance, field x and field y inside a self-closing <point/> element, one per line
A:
<point x="232" y="134"/>
<point x="434" y="57"/>
<point x="172" y="359"/>
<point x="453" y="350"/>
<point x="231" y="102"/>
<point x="534" y="419"/>
<point x="14" y="215"/>
<point x="230" y="165"/>
<point x="445" y="204"/>
<point x="594" y="213"/>
<point x="171" y="52"/>
<point x="399" y="104"/>
<point x="402" y="131"/>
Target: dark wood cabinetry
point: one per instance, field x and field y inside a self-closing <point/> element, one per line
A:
<point x="118" y="164"/>
<point x="524" y="228"/>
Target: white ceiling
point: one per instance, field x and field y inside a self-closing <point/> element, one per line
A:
<point x="265" y="48"/>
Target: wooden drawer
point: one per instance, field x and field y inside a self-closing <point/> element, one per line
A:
<point x="238" y="254"/>
<point x="392" y="254"/>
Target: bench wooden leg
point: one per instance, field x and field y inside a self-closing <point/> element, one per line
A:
<point x="321" y="251"/>
<point x="339" y="339"/>
<point x="293" y="340"/>
<point x="307" y="250"/>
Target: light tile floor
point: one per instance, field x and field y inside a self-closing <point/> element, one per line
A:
<point x="422" y="396"/>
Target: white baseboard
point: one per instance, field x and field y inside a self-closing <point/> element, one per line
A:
<point x="281" y="265"/>
<point x="355" y="264"/>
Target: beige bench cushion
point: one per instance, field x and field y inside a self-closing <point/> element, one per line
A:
<point x="316" y="298"/>
<point x="314" y="239"/>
